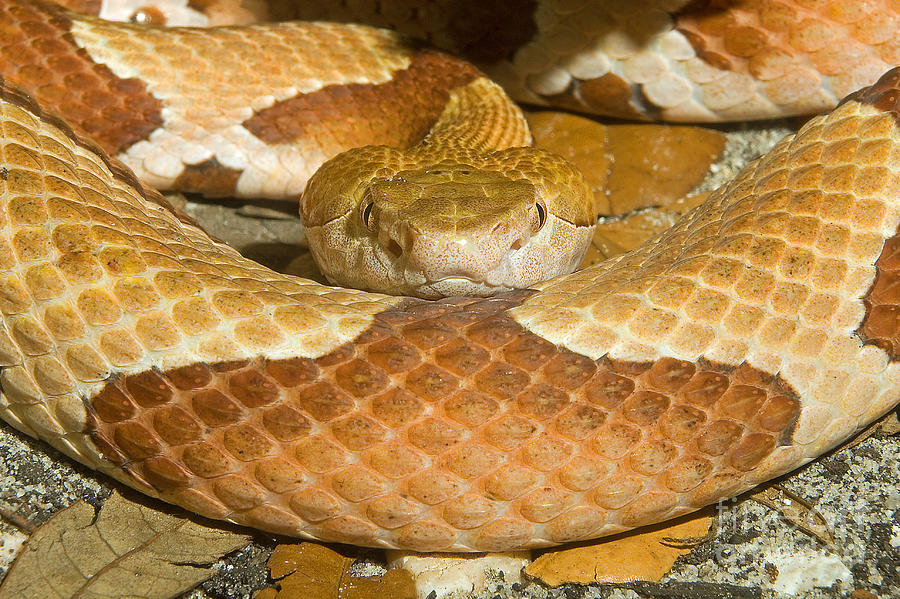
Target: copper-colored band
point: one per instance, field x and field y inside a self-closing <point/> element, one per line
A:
<point x="84" y="7"/>
<point x="483" y="31"/>
<point x="612" y="95"/>
<point x="397" y="113"/>
<point x="201" y="5"/>
<point x="881" y="324"/>
<point x="48" y="63"/>
<point x="712" y="18"/>
<point x="883" y="94"/>
<point x="487" y="31"/>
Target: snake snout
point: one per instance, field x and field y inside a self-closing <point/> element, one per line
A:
<point x="473" y="249"/>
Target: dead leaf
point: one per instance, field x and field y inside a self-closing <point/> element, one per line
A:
<point x="655" y="165"/>
<point x="313" y="571"/>
<point x="126" y="548"/>
<point x="619" y="235"/>
<point x="797" y="511"/>
<point x="646" y="554"/>
<point x="630" y="166"/>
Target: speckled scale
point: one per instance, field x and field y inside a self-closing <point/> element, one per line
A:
<point x="40" y="55"/>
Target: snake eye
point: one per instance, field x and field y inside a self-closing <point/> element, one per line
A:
<point x="542" y="215"/>
<point x="148" y="15"/>
<point x="367" y="219"/>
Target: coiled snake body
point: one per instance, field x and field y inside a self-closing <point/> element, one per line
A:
<point x="751" y="337"/>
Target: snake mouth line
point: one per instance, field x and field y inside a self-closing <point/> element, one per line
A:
<point x="442" y="287"/>
<point x="462" y="278"/>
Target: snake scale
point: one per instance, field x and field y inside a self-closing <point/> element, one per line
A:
<point x="755" y="334"/>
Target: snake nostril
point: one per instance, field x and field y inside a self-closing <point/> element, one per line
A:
<point x="394" y="249"/>
<point x="516" y="245"/>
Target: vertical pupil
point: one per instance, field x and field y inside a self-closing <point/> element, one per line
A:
<point x="541" y="215"/>
<point x="367" y="212"/>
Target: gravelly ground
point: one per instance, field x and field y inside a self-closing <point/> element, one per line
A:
<point x="754" y="553"/>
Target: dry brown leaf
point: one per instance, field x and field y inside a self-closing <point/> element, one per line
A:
<point x="655" y="165"/>
<point x="630" y="166"/>
<point x="643" y="555"/>
<point x="313" y="571"/>
<point x="126" y="549"/>
<point x="621" y="235"/>
<point x="795" y="510"/>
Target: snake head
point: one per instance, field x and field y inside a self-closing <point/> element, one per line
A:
<point x="432" y="226"/>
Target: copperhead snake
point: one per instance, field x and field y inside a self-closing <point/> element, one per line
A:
<point x="755" y="334"/>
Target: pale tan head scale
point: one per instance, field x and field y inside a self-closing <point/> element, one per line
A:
<point x="460" y="222"/>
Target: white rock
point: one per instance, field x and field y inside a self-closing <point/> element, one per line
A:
<point x="800" y="572"/>
<point x="456" y="575"/>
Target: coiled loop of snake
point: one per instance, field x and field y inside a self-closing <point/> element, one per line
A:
<point x="755" y="334"/>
